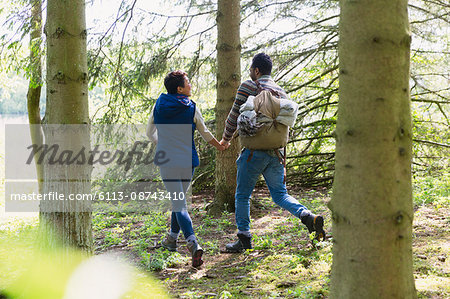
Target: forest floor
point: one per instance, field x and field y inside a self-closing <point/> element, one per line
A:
<point x="283" y="264"/>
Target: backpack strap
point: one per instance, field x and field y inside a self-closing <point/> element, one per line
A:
<point x="282" y="158"/>
<point x="260" y="88"/>
<point x="250" y="156"/>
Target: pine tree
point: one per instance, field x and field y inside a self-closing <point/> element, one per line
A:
<point x="372" y="199"/>
<point x="228" y="80"/>
<point x="66" y="120"/>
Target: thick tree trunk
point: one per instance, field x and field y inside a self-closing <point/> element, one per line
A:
<point x="228" y="80"/>
<point x="372" y="199"/>
<point x="34" y="87"/>
<point x="67" y="104"/>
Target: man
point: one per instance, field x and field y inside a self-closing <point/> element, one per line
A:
<point x="252" y="163"/>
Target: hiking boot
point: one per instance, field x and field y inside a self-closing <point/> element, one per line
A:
<point x="314" y="223"/>
<point x="170" y="243"/>
<point x="196" y="252"/>
<point x="244" y="242"/>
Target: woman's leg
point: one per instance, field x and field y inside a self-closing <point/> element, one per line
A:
<point x="174" y="226"/>
<point x="183" y="217"/>
<point x="185" y="223"/>
<point x="177" y="185"/>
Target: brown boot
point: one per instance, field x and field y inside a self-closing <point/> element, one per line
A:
<point x="170" y="243"/>
<point x="196" y="252"/>
<point x="244" y="242"/>
<point x="314" y="223"/>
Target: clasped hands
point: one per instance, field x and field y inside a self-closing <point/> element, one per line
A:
<point x="225" y="144"/>
<point x="221" y="146"/>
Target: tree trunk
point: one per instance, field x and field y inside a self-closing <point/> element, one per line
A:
<point x="67" y="105"/>
<point x="34" y="87"/>
<point x="228" y="80"/>
<point x="372" y="198"/>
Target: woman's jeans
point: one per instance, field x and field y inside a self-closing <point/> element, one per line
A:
<point x="248" y="171"/>
<point x="177" y="181"/>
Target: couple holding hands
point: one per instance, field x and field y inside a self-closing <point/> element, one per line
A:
<point x="174" y="108"/>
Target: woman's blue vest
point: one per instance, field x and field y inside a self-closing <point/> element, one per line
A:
<point x="174" y="119"/>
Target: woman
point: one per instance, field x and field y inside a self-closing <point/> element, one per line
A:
<point x="172" y="123"/>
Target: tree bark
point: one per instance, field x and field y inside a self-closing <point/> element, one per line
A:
<point x="34" y="87"/>
<point x="67" y="118"/>
<point x="228" y="80"/>
<point x="372" y="199"/>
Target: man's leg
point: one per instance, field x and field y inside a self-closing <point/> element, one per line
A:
<point x="274" y="177"/>
<point x="249" y="167"/>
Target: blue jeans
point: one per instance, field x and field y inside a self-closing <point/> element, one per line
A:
<point x="177" y="182"/>
<point x="248" y="173"/>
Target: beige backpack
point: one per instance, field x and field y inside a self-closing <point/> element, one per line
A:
<point x="269" y="134"/>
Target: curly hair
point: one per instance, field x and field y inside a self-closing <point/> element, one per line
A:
<point x="173" y="80"/>
<point x="263" y="62"/>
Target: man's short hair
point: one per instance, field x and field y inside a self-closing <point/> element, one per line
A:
<point x="263" y="62"/>
<point x="173" y="80"/>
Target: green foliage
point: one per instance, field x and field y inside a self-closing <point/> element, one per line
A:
<point x="283" y="262"/>
<point x="262" y="242"/>
<point x="211" y="223"/>
<point x="35" y="271"/>
<point x="133" y="66"/>
<point x="136" y="229"/>
<point x="432" y="189"/>
<point x="130" y="54"/>
<point x="13" y="95"/>
<point x="431" y="134"/>
<point x="15" y="47"/>
<point x="161" y="259"/>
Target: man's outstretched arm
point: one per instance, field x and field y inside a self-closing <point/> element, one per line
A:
<point x="245" y="90"/>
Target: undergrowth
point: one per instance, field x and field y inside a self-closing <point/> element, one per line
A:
<point x="283" y="262"/>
